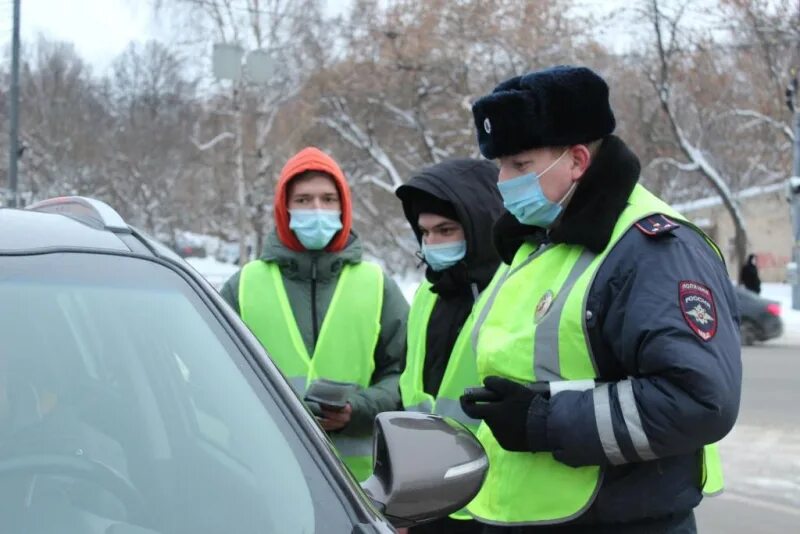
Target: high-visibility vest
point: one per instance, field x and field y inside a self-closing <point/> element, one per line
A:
<point x="347" y="339"/>
<point x="459" y="374"/>
<point x="532" y="328"/>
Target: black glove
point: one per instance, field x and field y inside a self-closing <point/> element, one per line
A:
<point x="518" y="420"/>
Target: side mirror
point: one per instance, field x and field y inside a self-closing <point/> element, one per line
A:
<point x="426" y="467"/>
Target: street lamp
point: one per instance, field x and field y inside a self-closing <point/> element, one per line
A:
<point x="257" y="68"/>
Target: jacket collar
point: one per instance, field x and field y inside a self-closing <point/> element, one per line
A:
<point x="305" y="265"/>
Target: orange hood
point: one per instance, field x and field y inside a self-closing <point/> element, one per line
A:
<point x="311" y="159"/>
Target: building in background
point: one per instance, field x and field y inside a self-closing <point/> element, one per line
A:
<point x="769" y="228"/>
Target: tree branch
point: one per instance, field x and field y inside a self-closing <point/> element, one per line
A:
<point x="760" y="118"/>
<point x="685" y="167"/>
<point x="213" y="142"/>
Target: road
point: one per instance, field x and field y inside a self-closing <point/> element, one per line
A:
<point x="761" y="457"/>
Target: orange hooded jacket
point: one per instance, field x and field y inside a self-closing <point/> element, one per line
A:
<point x="311" y="159"/>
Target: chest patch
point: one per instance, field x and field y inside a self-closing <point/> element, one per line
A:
<point x="698" y="308"/>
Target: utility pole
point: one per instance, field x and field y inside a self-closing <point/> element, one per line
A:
<point x="241" y="187"/>
<point x="227" y="64"/>
<point x="794" y="191"/>
<point x="13" y="142"/>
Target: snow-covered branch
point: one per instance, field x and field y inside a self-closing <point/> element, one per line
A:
<point x="213" y="142"/>
<point x="343" y="124"/>
<point x="672" y="162"/>
<point x="697" y="158"/>
<point x="760" y="118"/>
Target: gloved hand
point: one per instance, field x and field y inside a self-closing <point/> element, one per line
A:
<point x="518" y="420"/>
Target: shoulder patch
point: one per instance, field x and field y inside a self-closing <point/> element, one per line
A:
<point x="655" y="225"/>
<point x="698" y="308"/>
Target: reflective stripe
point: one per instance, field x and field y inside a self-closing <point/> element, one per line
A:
<point x="298" y="384"/>
<point x="452" y="408"/>
<point x="493" y="296"/>
<point x="546" y="358"/>
<point x="630" y="413"/>
<point x="605" y="426"/>
<point x="476" y="329"/>
<point x="558" y="386"/>
<point x="350" y="446"/>
<point x="424" y="407"/>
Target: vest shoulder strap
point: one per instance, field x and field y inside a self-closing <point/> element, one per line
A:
<point x="656" y="225"/>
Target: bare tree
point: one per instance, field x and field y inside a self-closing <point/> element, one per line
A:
<point x="400" y="94"/>
<point x="666" y="26"/>
<point x="148" y="152"/>
<point x="61" y="113"/>
<point x="291" y="31"/>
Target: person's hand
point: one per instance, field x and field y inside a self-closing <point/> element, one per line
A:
<point x="518" y="420"/>
<point x="333" y="420"/>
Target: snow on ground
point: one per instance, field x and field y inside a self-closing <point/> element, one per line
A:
<point x="409" y="282"/>
<point x="216" y="272"/>
<point x="783" y="293"/>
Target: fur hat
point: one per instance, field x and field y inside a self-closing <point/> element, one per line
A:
<point x="558" y="106"/>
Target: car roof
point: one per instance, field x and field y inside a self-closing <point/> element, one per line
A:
<point x="74" y="223"/>
<point x="22" y="230"/>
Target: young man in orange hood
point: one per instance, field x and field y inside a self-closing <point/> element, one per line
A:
<point x="319" y="309"/>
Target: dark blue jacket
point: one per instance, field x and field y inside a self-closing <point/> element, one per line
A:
<point x="673" y="370"/>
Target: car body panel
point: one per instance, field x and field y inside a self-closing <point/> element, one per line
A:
<point x="757" y="323"/>
<point x="29" y="233"/>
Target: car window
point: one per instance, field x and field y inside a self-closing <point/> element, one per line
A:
<point x="123" y="401"/>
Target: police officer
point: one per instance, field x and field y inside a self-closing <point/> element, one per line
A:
<point x="451" y="207"/>
<point x="320" y="310"/>
<point x="610" y="345"/>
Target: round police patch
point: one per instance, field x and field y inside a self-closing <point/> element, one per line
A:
<point x="543" y="306"/>
<point x="698" y="308"/>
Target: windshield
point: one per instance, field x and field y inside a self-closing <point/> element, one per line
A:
<point x="126" y="408"/>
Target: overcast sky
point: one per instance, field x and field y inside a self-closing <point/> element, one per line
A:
<point x="100" y="29"/>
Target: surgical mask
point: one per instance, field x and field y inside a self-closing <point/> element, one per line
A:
<point x="315" y="228"/>
<point x="524" y="199"/>
<point x="444" y="255"/>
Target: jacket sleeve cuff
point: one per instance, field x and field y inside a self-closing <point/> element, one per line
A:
<point x="361" y="419"/>
<point x="572" y="430"/>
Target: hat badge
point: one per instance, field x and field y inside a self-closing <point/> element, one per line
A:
<point x="487" y="125"/>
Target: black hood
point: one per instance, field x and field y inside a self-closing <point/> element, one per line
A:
<point x="471" y="187"/>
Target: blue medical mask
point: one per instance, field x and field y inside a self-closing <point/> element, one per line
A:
<point x="315" y="228"/>
<point x="524" y="199"/>
<point x="444" y="255"/>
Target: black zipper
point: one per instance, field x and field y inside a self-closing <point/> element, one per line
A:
<point x="314" y="319"/>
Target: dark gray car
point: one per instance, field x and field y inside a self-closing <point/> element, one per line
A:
<point x="133" y="401"/>
<point x="761" y="318"/>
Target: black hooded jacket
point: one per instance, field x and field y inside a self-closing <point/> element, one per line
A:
<point x="470" y="186"/>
